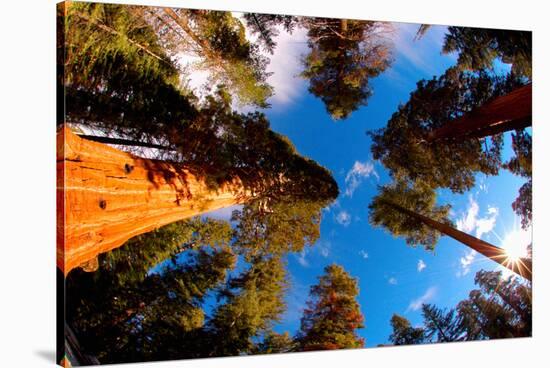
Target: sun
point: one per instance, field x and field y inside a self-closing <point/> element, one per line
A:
<point x="515" y="243"/>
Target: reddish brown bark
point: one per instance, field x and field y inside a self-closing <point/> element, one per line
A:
<point x="502" y="114"/>
<point x="523" y="267"/>
<point x="106" y="196"/>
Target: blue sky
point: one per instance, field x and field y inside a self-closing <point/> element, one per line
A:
<point x="393" y="277"/>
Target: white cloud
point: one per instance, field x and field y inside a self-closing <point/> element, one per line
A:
<point x="355" y="176"/>
<point x="392" y="281"/>
<point x="286" y="65"/>
<point x="420" y="265"/>
<point x="417" y="52"/>
<point x="302" y="258"/>
<point x="343" y="218"/>
<point x="321" y="248"/>
<point x="471" y="221"/>
<point x="416" y="304"/>
<point x="468" y="221"/>
<point x="465" y="262"/>
<point x="363" y="254"/>
<point x="324" y="248"/>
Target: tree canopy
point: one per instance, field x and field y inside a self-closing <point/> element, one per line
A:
<point x="404" y="146"/>
<point x="344" y="55"/>
<point x="500" y="308"/>
<point x="416" y="197"/>
<point x="332" y="315"/>
<point x="113" y="85"/>
<point x="218" y="39"/>
<point x="403" y="333"/>
<point x="479" y="47"/>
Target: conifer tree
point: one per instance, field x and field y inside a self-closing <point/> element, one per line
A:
<point x="218" y="39"/>
<point x="121" y="315"/>
<point x="332" y="315"/>
<point x="404" y="334"/>
<point x="478" y="48"/>
<point x="404" y="145"/>
<point x="500" y="308"/>
<point x="344" y="56"/>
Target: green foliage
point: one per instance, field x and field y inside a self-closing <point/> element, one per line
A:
<point x="416" y="197"/>
<point x="254" y="301"/>
<point x="219" y="40"/>
<point x="404" y="334"/>
<point x="116" y="76"/>
<point x="404" y="147"/>
<point x="274" y="343"/>
<point x="332" y="314"/>
<point x="265" y="26"/>
<point x="283" y="227"/>
<point x="441" y="324"/>
<point x="133" y="318"/>
<point x="478" y="48"/>
<point x="129" y="264"/>
<point x="521" y="164"/>
<point x="500" y="308"/>
<point x="344" y="56"/>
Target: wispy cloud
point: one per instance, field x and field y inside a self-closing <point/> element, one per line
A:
<point x="470" y="221"/>
<point x="416" y="304"/>
<point x="322" y="248"/>
<point x="420" y="265"/>
<point x="356" y="174"/>
<point x="286" y="66"/>
<point x="343" y="218"/>
<point x="363" y="254"/>
<point x="392" y="281"/>
<point x="417" y="53"/>
<point x="465" y="263"/>
<point x="302" y="258"/>
<point x="296" y="298"/>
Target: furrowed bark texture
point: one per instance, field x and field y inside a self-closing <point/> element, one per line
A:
<point x="502" y="114"/>
<point x="106" y="196"/>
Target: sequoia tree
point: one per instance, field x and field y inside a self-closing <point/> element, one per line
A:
<point x="123" y="315"/>
<point x="406" y="146"/>
<point x="441" y="135"/>
<point x="209" y="157"/>
<point x="332" y="315"/>
<point x="410" y="210"/>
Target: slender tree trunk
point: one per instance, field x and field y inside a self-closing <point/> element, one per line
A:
<point x="502" y="114"/>
<point x="106" y="196"/>
<point x="523" y="267"/>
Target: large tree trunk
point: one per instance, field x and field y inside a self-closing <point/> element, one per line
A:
<point x="522" y="267"/>
<point x="106" y="196"/>
<point x="502" y="114"/>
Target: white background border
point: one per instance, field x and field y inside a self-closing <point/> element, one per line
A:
<point x="27" y="182"/>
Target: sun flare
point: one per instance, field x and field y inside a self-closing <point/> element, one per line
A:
<point x="516" y="243"/>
